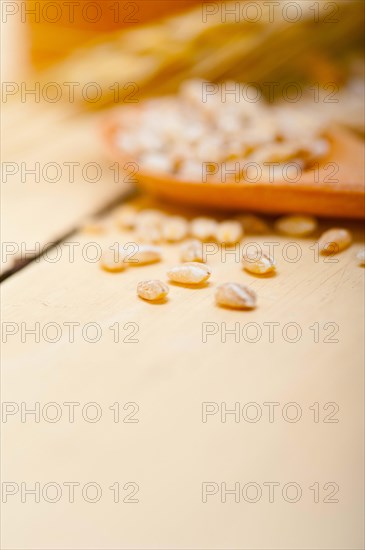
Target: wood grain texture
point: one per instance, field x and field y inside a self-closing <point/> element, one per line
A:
<point x="169" y="371"/>
<point x="55" y="174"/>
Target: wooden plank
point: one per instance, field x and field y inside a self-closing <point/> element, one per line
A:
<point x="169" y="372"/>
<point x="73" y="179"/>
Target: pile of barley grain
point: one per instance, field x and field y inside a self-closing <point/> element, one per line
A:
<point x="176" y="134"/>
<point x="152" y="226"/>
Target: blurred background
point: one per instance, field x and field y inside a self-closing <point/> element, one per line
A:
<point x="124" y="51"/>
<point x="159" y="44"/>
<point x="65" y="66"/>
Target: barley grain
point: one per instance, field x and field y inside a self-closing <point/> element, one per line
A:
<point x="192" y="251"/>
<point x="253" y="225"/>
<point x="236" y="296"/>
<point x="175" y="229"/>
<point x="152" y="290"/>
<point x="149" y="225"/>
<point x="113" y="261"/>
<point x="154" y="161"/>
<point x="191" y="273"/>
<point x="229" y="232"/>
<point x="334" y="240"/>
<point x="296" y="226"/>
<point x="143" y="254"/>
<point x="361" y="257"/>
<point x="260" y="264"/>
<point x="203" y="228"/>
<point x="148" y="233"/>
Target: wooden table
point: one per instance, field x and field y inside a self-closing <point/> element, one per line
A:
<point x="163" y="378"/>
